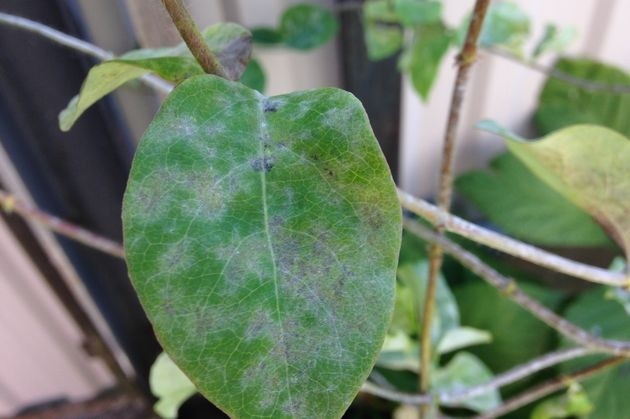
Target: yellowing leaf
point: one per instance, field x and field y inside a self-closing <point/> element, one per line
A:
<point x="589" y="165"/>
<point x="230" y="42"/>
<point x="170" y="385"/>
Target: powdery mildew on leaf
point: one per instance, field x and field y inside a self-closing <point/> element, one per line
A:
<point x="262" y="236"/>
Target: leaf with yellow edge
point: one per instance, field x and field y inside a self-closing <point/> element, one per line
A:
<point x="231" y="43"/>
<point x="588" y="164"/>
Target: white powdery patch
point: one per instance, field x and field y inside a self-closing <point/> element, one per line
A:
<point x="177" y="258"/>
<point x="183" y="127"/>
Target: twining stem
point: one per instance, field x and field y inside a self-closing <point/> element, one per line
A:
<point x="540" y="257"/>
<point x="455" y="396"/>
<point x="465" y="60"/>
<point x="510" y="290"/>
<point x="549" y="387"/>
<point x="12" y="204"/>
<point x="191" y="35"/>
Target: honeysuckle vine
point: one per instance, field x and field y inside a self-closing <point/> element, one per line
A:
<point x="437" y="215"/>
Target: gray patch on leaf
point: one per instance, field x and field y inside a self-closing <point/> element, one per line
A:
<point x="263" y="163"/>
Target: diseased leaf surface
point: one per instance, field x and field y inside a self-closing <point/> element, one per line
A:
<point x="230" y="42"/>
<point x="588" y="164"/>
<point x="524" y="206"/>
<point x="262" y="236"/>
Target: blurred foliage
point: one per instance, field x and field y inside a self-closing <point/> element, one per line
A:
<point x="525" y="207"/>
<point x="562" y="104"/>
<point x="608" y="390"/>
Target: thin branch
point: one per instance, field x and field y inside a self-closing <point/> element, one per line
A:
<point x="191" y="35"/>
<point x="78" y="45"/>
<point x="11" y="204"/>
<point x="549" y="387"/>
<point x="511" y="291"/>
<point x="518" y="373"/>
<point x="585" y="84"/>
<point x="508" y="245"/>
<point x="511" y="376"/>
<point x="465" y="61"/>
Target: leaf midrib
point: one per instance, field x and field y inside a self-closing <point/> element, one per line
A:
<point x="263" y="186"/>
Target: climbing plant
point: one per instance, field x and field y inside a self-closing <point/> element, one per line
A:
<point x="264" y="234"/>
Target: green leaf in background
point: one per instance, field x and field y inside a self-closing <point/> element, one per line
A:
<point x="466" y="370"/>
<point x="267" y="36"/>
<point x="483" y="307"/>
<point x="588" y="164"/>
<point x="462" y="337"/>
<point x="170" y="385"/>
<point x="562" y="104"/>
<point x="401" y="352"/>
<point x="423" y="58"/>
<point x="230" y="42"/>
<point x="608" y="390"/>
<point x="307" y="26"/>
<point x="410" y="290"/>
<point x="254" y="76"/>
<point x="382" y="31"/>
<point x="415" y="12"/>
<point x="506" y="26"/>
<point x="525" y="207"/>
<point x="572" y="404"/>
<point x="262" y="236"/>
<point x="554" y="40"/>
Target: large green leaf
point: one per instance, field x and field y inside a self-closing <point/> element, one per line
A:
<point x="526" y="207"/>
<point x="230" y="42"/>
<point x="262" y="236"/>
<point x="423" y="58"/>
<point x="562" y="104"/>
<point x="607" y="391"/>
<point x="382" y="32"/>
<point x="589" y="165"/>
<point x="307" y="26"/>
<point x="464" y="371"/>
